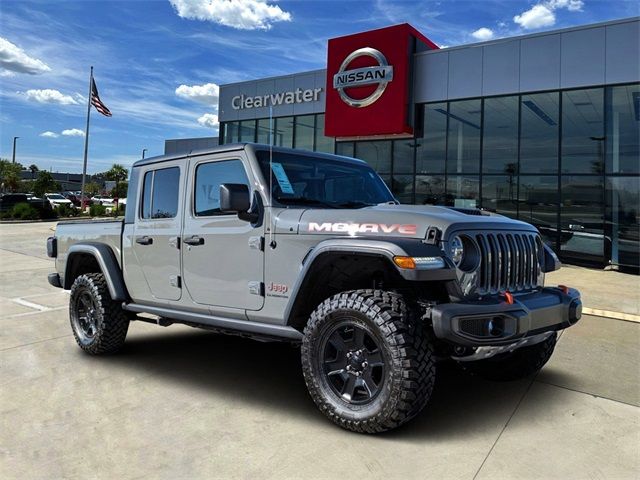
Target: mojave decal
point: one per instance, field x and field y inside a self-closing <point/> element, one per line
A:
<point x="354" y="228"/>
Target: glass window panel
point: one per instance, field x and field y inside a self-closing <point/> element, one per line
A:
<point x="623" y="205"/>
<point x="305" y="130"/>
<point x="166" y="186"/>
<point x="463" y="150"/>
<point x="345" y="148"/>
<point x="582" y="131"/>
<point x="403" y="156"/>
<point x="500" y="194"/>
<point x="538" y="203"/>
<point x="582" y="218"/>
<point x="463" y="191"/>
<point x="209" y="177"/>
<point x="231" y="132"/>
<point x="247" y="131"/>
<point x="500" y="130"/>
<point x="623" y="124"/>
<point x="263" y="131"/>
<point x="430" y="190"/>
<point x="431" y="149"/>
<point x="376" y="154"/>
<point x="539" y="133"/>
<point x="146" y="195"/>
<point x="323" y="144"/>
<point x="402" y="188"/>
<point x="283" y="136"/>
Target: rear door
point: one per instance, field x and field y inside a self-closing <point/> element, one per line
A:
<point x="156" y="238"/>
<point x="222" y="255"/>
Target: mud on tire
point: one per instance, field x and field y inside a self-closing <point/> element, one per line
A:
<point x="394" y="347"/>
<point x="99" y="324"/>
<point x="521" y="363"/>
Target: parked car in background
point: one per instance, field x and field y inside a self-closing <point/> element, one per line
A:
<point x="56" y="199"/>
<point x="102" y="200"/>
<point x="10" y="200"/>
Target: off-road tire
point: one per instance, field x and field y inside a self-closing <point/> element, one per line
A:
<point x="409" y="371"/>
<point x="521" y="363"/>
<point x="111" y="321"/>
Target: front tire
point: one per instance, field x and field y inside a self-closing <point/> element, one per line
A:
<point x="521" y="363"/>
<point x="366" y="361"/>
<point x="98" y="322"/>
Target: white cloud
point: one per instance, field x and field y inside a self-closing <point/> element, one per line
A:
<point x="49" y="95"/>
<point x="73" y="132"/>
<point x="482" y="34"/>
<point x="240" y="14"/>
<point x="209" y="120"/>
<point x="14" y="59"/>
<point x="207" y="93"/>
<point x="543" y="14"/>
<point x="49" y="134"/>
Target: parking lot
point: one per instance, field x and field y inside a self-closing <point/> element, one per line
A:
<point x="183" y="403"/>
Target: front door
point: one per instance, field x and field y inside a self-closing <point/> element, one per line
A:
<point x="223" y="262"/>
<point x="155" y="242"/>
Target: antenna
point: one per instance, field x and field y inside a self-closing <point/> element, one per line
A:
<point x="272" y="226"/>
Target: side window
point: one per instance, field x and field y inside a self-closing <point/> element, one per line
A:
<point x="209" y="177"/>
<point x="160" y="193"/>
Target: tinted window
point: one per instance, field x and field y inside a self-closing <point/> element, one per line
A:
<point x="463" y="153"/>
<point x="345" y="148"/>
<point x="583" y="131"/>
<point x="264" y="131"/>
<point x="623" y="124"/>
<point x="160" y="193"/>
<point x="305" y="129"/>
<point x="539" y="133"/>
<point x="209" y="177"/>
<point x="500" y="143"/>
<point x="247" y="131"/>
<point x="403" y="156"/>
<point x="283" y="136"/>
<point x="402" y="188"/>
<point x="499" y="194"/>
<point x="376" y="154"/>
<point x="463" y="191"/>
<point x="432" y="147"/>
<point x="538" y="204"/>
<point x="323" y="144"/>
<point x="430" y="190"/>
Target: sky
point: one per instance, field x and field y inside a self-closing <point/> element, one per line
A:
<point x="158" y="64"/>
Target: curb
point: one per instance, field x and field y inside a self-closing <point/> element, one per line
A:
<point x="627" y="317"/>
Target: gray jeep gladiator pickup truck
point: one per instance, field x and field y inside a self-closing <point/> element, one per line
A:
<point x="281" y="244"/>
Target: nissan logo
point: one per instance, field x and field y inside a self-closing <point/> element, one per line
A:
<point x="380" y="75"/>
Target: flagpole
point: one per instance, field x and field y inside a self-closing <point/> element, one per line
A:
<point x="86" y="141"/>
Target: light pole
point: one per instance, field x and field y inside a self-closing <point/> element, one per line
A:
<point x="143" y="152"/>
<point x="14" y="149"/>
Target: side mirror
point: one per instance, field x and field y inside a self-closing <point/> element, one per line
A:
<point x="234" y="198"/>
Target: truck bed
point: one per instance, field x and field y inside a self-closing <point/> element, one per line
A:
<point x="104" y="231"/>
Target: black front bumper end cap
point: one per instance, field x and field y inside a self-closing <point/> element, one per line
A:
<point x="493" y="321"/>
<point x="54" y="280"/>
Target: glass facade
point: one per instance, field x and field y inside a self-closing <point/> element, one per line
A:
<point x="566" y="161"/>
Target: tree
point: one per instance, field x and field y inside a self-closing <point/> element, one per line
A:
<point x="116" y="173"/>
<point x="91" y="189"/>
<point x="10" y="174"/>
<point x="34" y="169"/>
<point x="44" y="184"/>
<point x="120" y="190"/>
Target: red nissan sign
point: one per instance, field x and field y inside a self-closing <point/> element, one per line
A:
<point x="368" y="82"/>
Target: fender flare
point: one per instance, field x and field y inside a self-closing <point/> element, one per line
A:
<point x="108" y="265"/>
<point x="387" y="248"/>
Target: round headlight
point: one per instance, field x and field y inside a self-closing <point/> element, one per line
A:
<point x="456" y="250"/>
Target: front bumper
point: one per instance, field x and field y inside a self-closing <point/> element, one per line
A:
<point x="493" y="321"/>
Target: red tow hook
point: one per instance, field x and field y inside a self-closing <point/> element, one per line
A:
<point x="564" y="289"/>
<point x="508" y="296"/>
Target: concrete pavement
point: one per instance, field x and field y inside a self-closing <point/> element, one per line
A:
<point x="181" y="403"/>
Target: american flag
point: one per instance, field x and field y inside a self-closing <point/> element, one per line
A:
<point x="96" y="102"/>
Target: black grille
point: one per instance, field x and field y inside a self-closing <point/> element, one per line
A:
<point x="508" y="261"/>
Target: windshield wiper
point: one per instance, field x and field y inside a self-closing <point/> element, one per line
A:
<point x="305" y="201"/>
<point x="355" y="204"/>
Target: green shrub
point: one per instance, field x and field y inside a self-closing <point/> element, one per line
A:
<point x="97" y="210"/>
<point x="66" y="210"/>
<point x="24" y="211"/>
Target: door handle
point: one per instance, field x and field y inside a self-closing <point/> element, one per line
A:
<point x="144" y="240"/>
<point x="194" y="241"/>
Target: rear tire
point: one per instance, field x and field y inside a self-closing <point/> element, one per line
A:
<point x="521" y="363"/>
<point x="98" y="322"/>
<point x="367" y="362"/>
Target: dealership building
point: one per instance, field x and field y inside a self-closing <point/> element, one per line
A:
<point x="542" y="127"/>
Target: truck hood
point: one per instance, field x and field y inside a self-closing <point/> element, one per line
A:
<point x="409" y="221"/>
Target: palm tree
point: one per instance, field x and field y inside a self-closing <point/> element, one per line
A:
<point x="34" y="169"/>
<point x="117" y="172"/>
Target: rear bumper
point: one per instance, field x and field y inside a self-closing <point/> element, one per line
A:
<point x="496" y="322"/>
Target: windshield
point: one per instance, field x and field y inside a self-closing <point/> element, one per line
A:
<point x="322" y="182"/>
<point x="55" y="196"/>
